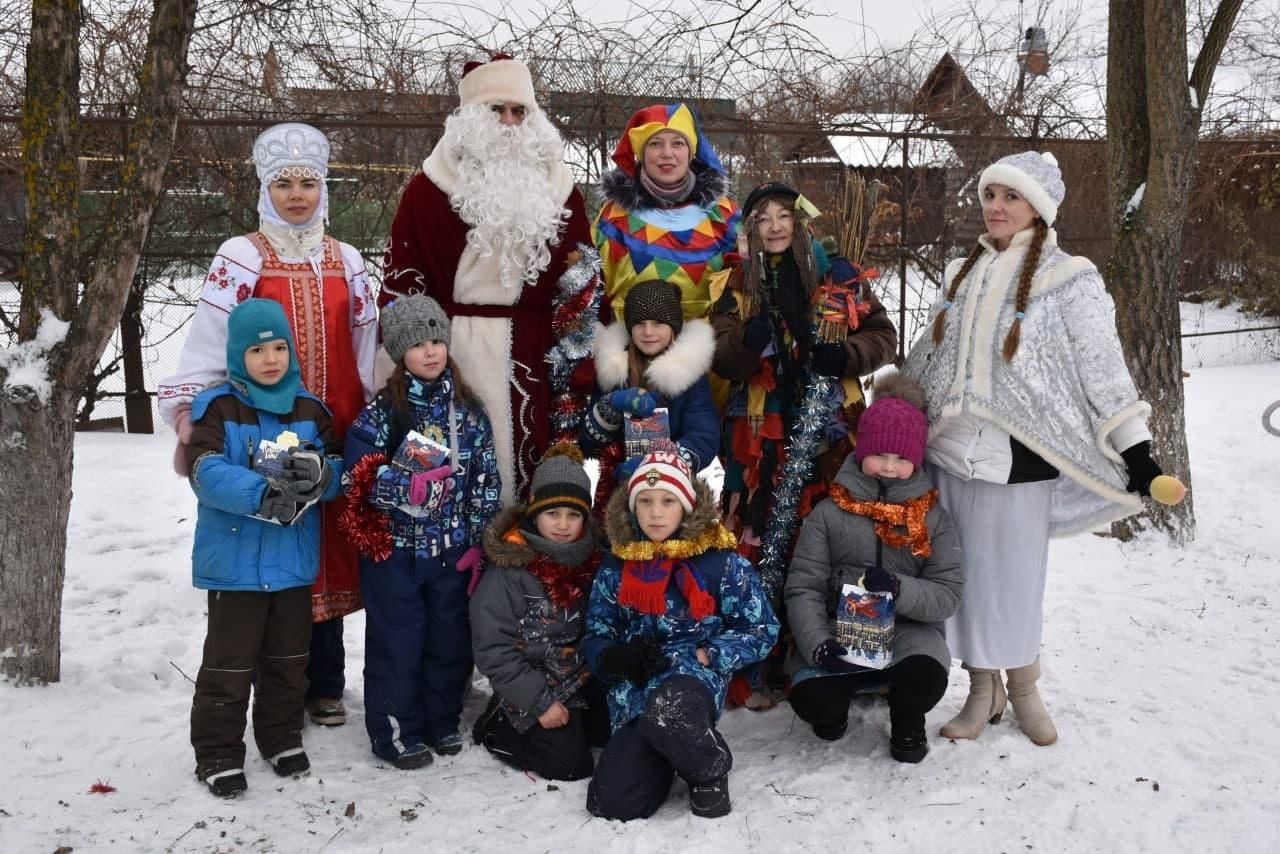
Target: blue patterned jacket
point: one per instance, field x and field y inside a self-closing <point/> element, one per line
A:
<point x="741" y="631"/>
<point x="474" y="498"/>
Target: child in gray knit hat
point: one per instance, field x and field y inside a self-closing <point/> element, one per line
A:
<point x="547" y="712"/>
<point x="424" y="483"/>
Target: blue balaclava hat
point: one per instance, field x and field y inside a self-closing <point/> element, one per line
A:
<point x="257" y="321"/>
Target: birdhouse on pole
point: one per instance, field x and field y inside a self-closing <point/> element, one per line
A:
<point x="1034" y="53"/>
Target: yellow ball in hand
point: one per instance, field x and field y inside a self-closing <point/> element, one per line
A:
<point x="1167" y="490"/>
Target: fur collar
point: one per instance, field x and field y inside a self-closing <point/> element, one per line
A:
<point x="672" y="373"/>
<point x="703" y="522"/>
<point x="504" y="546"/>
<point x="623" y="190"/>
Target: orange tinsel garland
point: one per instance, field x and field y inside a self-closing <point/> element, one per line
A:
<point x="890" y="517"/>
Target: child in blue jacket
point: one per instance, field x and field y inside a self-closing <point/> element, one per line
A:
<point x="256" y="548"/>
<point x="415" y="590"/>
<point x="652" y="358"/>
<point x="674" y="611"/>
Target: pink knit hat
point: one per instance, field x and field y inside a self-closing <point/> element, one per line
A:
<point x="895" y="423"/>
<point x="663" y="470"/>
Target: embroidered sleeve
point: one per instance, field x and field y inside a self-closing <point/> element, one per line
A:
<point x="364" y="318"/>
<point x="230" y="281"/>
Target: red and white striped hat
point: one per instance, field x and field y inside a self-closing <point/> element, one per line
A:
<point x="662" y="470"/>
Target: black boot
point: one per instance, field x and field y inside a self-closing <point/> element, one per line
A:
<point x="290" y="763"/>
<point x="909" y="745"/>
<point x="710" y="799"/>
<point x="831" y="732"/>
<point x="227" y="784"/>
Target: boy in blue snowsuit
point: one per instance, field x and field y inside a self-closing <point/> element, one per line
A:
<point x="256" y="548"/>
<point x="674" y="612"/>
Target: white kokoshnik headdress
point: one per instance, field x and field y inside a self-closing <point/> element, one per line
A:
<point x="292" y="150"/>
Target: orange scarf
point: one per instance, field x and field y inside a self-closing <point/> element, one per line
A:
<point x="889" y="518"/>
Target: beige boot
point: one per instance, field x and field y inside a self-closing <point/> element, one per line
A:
<point x="1033" y="717"/>
<point x="985" y="704"/>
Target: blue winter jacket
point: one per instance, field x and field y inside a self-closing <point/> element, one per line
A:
<point x="476" y="494"/>
<point x="233" y="550"/>
<point x="677" y="377"/>
<point x="741" y="631"/>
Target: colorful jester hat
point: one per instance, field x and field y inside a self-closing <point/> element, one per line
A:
<point x="651" y="120"/>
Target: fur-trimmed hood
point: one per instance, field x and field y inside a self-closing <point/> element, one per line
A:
<point x="505" y="545"/>
<point x="622" y="189"/>
<point x="671" y="373"/>
<point x="703" y="520"/>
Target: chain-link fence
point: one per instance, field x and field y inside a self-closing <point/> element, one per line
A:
<point x="928" y="214"/>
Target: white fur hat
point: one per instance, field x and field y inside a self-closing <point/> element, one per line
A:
<point x="1034" y="175"/>
<point x="290" y="144"/>
<point x="502" y="78"/>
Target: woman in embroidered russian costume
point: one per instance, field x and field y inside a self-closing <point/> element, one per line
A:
<point x="324" y="289"/>
<point x="1035" y="429"/>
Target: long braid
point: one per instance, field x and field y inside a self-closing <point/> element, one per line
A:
<point x="940" y="319"/>
<point x="1029" y="265"/>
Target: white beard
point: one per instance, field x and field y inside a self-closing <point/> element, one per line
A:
<point x="504" y="189"/>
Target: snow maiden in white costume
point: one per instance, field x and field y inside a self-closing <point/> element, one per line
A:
<point x="324" y="289"/>
<point x="1036" y="429"/>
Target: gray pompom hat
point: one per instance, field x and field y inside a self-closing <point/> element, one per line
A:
<point x="411" y="320"/>
<point x="1035" y="175"/>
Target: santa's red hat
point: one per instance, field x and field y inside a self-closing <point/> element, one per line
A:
<point x="501" y="79"/>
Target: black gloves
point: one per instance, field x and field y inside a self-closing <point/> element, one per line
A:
<point x="829" y="360"/>
<point x="828" y="657"/>
<point x="306" y="474"/>
<point x="757" y="332"/>
<point x="1142" y="469"/>
<point x="877" y="579"/>
<point x="638" y="660"/>
<point x="277" y="504"/>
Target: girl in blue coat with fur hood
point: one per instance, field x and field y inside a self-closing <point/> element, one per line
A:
<point x="256" y="548"/>
<point x="653" y="358"/>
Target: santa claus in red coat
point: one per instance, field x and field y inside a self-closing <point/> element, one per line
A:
<point x="494" y="230"/>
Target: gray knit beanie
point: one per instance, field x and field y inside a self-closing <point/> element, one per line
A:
<point x="656" y="300"/>
<point x="408" y="321"/>
<point x="1034" y="175"/>
<point x="560" y="481"/>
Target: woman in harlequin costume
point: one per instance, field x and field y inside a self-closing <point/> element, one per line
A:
<point x="324" y="289"/>
<point x="666" y="214"/>
<point x="768" y="346"/>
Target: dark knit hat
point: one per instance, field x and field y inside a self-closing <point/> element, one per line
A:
<point x="655" y="300"/>
<point x="408" y="321"/>
<point x="773" y="189"/>
<point x="559" y="481"/>
<point x="895" y="422"/>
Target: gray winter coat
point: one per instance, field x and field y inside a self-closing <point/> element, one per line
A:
<point x="834" y="548"/>
<point x="527" y="646"/>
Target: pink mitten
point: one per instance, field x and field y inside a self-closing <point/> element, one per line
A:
<point x="471" y="562"/>
<point x="420" y="483"/>
<point x="180" y="460"/>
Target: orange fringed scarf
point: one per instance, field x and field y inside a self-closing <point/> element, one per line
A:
<point x="889" y="518"/>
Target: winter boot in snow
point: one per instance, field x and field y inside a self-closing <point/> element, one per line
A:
<point x="984" y="705"/>
<point x="710" y="799"/>
<point x="327" y="712"/>
<point x="227" y="784"/>
<point x="290" y="762"/>
<point x="909" y="745"/>
<point x="1033" y="717"/>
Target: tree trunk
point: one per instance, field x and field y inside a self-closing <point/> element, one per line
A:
<point x="37" y="431"/>
<point x="1153" y="125"/>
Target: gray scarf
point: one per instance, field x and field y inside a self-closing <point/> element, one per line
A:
<point x="669" y="197"/>
<point x="565" y="554"/>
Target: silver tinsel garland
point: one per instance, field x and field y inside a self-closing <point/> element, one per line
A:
<point x="575" y="341"/>
<point x="812" y="417"/>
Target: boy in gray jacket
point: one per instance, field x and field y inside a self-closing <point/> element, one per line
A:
<point x="883" y="528"/>
<point x="527" y="625"/>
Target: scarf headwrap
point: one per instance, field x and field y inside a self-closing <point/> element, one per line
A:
<point x="890" y="518"/>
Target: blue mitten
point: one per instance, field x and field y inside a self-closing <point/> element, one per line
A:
<point x="633" y="401"/>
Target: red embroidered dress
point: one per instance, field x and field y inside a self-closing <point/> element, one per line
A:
<point x="320" y="314"/>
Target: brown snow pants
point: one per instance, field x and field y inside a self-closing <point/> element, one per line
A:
<point x="259" y="641"/>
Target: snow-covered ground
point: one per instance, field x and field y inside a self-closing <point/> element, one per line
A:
<point x="1160" y="668"/>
